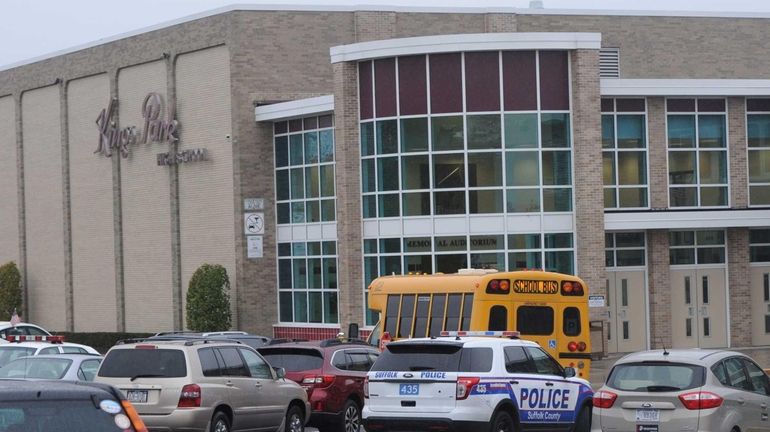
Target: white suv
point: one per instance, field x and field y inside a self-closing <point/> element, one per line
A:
<point x="465" y="383"/>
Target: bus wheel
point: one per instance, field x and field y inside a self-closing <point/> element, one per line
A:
<point x="502" y="422"/>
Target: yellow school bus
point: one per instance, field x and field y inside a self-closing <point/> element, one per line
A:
<point x="548" y="308"/>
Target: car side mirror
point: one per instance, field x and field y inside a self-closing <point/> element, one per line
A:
<point x="569" y="372"/>
<point x="280" y="372"/>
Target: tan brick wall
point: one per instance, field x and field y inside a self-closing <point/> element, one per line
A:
<point x="43" y="198"/>
<point x="205" y="188"/>
<point x="657" y="152"/>
<point x="739" y="287"/>
<point x="427" y="24"/>
<point x="736" y="118"/>
<point x="589" y="198"/>
<point x="374" y="25"/>
<point x="658" y="269"/>
<point x="9" y="210"/>
<point x="500" y="23"/>
<point x="146" y="217"/>
<point x="91" y="209"/>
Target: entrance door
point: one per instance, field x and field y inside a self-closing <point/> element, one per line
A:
<point x="626" y="298"/>
<point x="698" y="299"/>
<point x="760" y="305"/>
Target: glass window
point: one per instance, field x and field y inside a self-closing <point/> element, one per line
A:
<point x="544" y="364"/>
<point x="521" y="131"/>
<point x="387" y="137"/>
<point x="485" y="169"/>
<point x="758" y="378"/>
<point x="555" y="129"/>
<point x="414" y="134"/>
<point x="257" y="367"/>
<point x="534" y="320"/>
<point x="516" y="360"/>
<point x="447" y="133"/>
<point x="484" y="132"/>
<point x="571" y="321"/>
<point x="737" y="374"/>
<point x="498" y="318"/>
<point x="302" y="267"/>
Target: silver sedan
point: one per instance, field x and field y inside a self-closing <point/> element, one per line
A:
<point x="73" y="367"/>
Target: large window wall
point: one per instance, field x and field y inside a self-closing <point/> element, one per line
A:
<point x="307" y="282"/>
<point x="697" y="152"/>
<point x="624" y="153"/>
<point x="758" y="131"/>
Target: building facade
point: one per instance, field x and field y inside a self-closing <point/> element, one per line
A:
<point x="309" y="151"/>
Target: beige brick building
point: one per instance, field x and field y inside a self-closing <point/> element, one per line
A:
<point x="310" y="150"/>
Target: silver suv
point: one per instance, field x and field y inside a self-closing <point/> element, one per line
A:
<point x="204" y="385"/>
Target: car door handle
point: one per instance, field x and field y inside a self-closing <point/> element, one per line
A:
<point x="513" y="382"/>
<point x="229" y="383"/>
<point x="763" y="405"/>
<point x="258" y="384"/>
<point x="549" y="384"/>
<point x="741" y="401"/>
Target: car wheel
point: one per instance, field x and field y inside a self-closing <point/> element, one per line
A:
<point x="294" y="420"/>
<point x="583" y="422"/>
<point x="351" y="417"/>
<point x="220" y="422"/>
<point x="502" y="422"/>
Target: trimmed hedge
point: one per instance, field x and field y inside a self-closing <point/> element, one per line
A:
<point x="101" y="342"/>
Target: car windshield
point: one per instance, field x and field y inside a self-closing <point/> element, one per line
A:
<point x="36" y="367"/>
<point x="9" y="353"/>
<point x="141" y="362"/>
<point x="56" y="416"/>
<point x="293" y="359"/>
<point x="656" y="376"/>
<point x="439" y="357"/>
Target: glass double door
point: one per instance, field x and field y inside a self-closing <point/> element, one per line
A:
<point x="760" y="305"/>
<point x="698" y="315"/>
<point x="627" y="299"/>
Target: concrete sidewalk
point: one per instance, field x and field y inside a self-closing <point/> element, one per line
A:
<point x="600" y="368"/>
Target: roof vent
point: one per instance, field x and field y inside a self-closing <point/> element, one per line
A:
<point x="535" y="4"/>
<point x="609" y="62"/>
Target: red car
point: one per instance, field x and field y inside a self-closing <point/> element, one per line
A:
<point x="332" y="371"/>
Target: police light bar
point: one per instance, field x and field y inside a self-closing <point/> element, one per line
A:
<point x="510" y="334"/>
<point x="35" y="338"/>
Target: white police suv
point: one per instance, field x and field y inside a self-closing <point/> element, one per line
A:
<point x="465" y="382"/>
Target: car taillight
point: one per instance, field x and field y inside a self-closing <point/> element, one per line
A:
<point x="136" y="421"/>
<point x="700" y="400"/>
<point x="604" y="399"/>
<point x="464" y="386"/>
<point x="318" y="381"/>
<point x="190" y="396"/>
<point x="384" y="339"/>
<point x="366" y="387"/>
<point x="581" y="346"/>
<point x="572" y="346"/>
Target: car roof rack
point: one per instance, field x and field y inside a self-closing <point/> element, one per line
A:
<point x="188" y="341"/>
<point x="279" y="341"/>
<point x="343" y="341"/>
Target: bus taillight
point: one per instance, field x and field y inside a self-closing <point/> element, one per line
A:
<point x="570" y="288"/>
<point x="581" y="346"/>
<point x="572" y="346"/>
<point x="498" y="286"/>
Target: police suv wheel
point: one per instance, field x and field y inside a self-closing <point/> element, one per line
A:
<point x="503" y="422"/>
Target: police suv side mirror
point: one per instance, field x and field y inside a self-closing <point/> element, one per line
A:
<point x="280" y="372"/>
<point x="569" y="372"/>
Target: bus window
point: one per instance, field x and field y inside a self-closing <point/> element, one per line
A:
<point x="534" y="320"/>
<point x="571" y="321"/>
<point x="421" y="316"/>
<point x="498" y="318"/>
<point x="453" y="312"/>
<point x="391" y="315"/>
<point x="437" y="315"/>
<point x="467" y="308"/>
<point x="407" y="313"/>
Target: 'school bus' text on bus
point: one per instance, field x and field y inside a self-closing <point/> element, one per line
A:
<point x="548" y="308"/>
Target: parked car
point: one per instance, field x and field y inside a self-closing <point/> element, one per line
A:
<point x="333" y="372"/>
<point x="254" y="341"/>
<point x="9" y="329"/>
<point x="204" y="385"/>
<point x="55" y="406"/>
<point x="14" y="350"/>
<point x="73" y="367"/>
<point x="690" y="389"/>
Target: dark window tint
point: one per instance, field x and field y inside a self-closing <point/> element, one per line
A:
<point x="391" y="314"/>
<point x="720" y="373"/>
<point x="516" y="361"/>
<point x="534" y="320"/>
<point x="158" y="363"/>
<point x="419" y="357"/>
<point x="498" y="318"/>
<point x="407" y="313"/>
<point x="70" y="414"/>
<point x="209" y="363"/>
<point x="421" y="316"/>
<point x="475" y="360"/>
<point x="467" y="309"/>
<point x="736" y="374"/>
<point x="437" y="315"/>
<point x="293" y="359"/>
<point x="453" y="312"/>
<point x="758" y="378"/>
<point x="544" y="364"/>
<point x="571" y="322"/>
<point x="655" y="377"/>
<point x="358" y="361"/>
<point x="233" y="363"/>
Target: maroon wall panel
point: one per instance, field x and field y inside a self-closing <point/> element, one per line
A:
<point x="446" y="93"/>
<point x="385" y="87"/>
<point x="554" y="80"/>
<point x="519" y="81"/>
<point x="412" y="85"/>
<point x="365" y="89"/>
<point x="482" y="81"/>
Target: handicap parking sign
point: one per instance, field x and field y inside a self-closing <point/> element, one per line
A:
<point x="552" y="343"/>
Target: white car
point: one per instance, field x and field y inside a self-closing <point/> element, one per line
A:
<point x="473" y="384"/>
<point x="8" y="329"/>
<point x="14" y="350"/>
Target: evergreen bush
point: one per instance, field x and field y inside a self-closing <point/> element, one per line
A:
<point x="208" y="299"/>
<point x="10" y="290"/>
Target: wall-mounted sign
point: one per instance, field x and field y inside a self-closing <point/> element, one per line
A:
<point x="183" y="156"/>
<point x="254" y="204"/>
<point x="254" y="247"/>
<point x="254" y="223"/>
<point x="596" y="301"/>
<point x="535" y="286"/>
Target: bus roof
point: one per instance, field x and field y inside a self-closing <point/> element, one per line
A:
<point x="464" y="281"/>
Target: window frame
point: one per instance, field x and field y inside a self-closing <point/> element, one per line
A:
<point x="615" y="150"/>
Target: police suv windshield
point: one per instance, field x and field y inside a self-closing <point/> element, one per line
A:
<point x="433" y="356"/>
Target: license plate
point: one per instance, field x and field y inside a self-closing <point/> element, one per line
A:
<point x="408" y="389"/>
<point x="137" y="396"/>
<point x="647" y="415"/>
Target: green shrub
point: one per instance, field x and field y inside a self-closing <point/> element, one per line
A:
<point x="10" y="290"/>
<point x="208" y="299"/>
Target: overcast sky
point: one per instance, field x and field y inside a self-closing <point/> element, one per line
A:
<point x="33" y="28"/>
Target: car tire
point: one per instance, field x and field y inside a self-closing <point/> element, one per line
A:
<point x="220" y="422"/>
<point x="351" y="417"/>
<point x="294" y="421"/>
<point x="583" y="421"/>
<point x="502" y="422"/>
